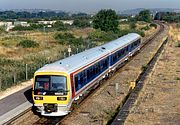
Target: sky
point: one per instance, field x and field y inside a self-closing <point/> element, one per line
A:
<point x="87" y="5"/>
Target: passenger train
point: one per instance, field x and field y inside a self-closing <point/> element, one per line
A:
<point x="57" y="85"/>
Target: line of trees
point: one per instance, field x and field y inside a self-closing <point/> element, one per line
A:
<point x="48" y="15"/>
<point x="168" y="16"/>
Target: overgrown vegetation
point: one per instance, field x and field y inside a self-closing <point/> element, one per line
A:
<point x="68" y="39"/>
<point x="28" y="44"/>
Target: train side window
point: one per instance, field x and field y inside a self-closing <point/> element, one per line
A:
<point x="132" y="45"/>
<point x="126" y="48"/>
<point x="99" y="67"/>
<point x="122" y="52"/>
<point x="81" y="78"/>
<point x="106" y="62"/>
<point x="136" y="43"/>
<point x="94" y="70"/>
<point x="85" y="76"/>
<point x="76" y="81"/>
<point x="88" y="74"/>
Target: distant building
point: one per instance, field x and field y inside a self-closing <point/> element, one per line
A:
<point x="70" y="22"/>
<point x="5" y="23"/>
<point x="21" y="23"/>
<point x="8" y="25"/>
<point x="47" y="22"/>
<point x="8" y="28"/>
<point x="132" y="16"/>
<point x="123" y="20"/>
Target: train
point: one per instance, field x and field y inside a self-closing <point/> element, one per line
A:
<point x="56" y="86"/>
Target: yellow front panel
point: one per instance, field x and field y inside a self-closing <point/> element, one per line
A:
<point x="53" y="98"/>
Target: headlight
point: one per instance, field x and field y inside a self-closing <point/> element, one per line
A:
<point x="61" y="98"/>
<point x="38" y="98"/>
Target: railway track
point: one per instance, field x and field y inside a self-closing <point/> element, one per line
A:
<point x="133" y="94"/>
<point x="57" y="120"/>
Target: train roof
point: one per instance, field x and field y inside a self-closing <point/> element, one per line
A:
<point x="74" y="62"/>
<point x="120" y="42"/>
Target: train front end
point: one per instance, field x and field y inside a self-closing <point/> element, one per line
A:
<point x="51" y="93"/>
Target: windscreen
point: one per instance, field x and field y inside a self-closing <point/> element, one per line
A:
<point x="50" y="83"/>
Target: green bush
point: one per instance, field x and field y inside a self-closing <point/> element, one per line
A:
<point x="22" y="28"/>
<point x="144" y="67"/>
<point x="133" y="25"/>
<point x="27" y="44"/>
<point x="64" y="36"/>
<point x="126" y="31"/>
<point x="69" y="39"/>
<point x="153" y="25"/>
<point x="102" y="36"/>
<point x="76" y="42"/>
<point x="178" y="44"/>
<point x="60" y="26"/>
<point x="81" y="23"/>
<point x="2" y="29"/>
<point x="145" y="28"/>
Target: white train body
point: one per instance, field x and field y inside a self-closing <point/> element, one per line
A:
<point x="59" y="84"/>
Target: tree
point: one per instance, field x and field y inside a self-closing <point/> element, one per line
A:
<point x="59" y="26"/>
<point x="106" y="20"/>
<point x="81" y="23"/>
<point x="145" y="15"/>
